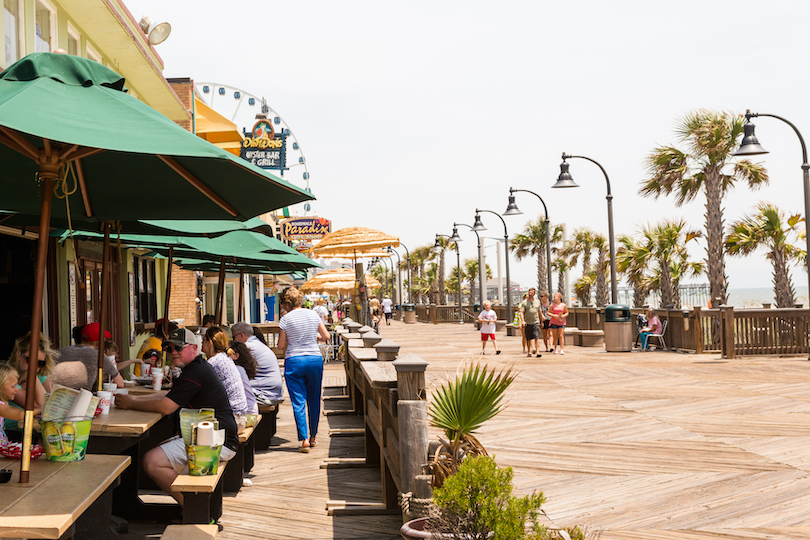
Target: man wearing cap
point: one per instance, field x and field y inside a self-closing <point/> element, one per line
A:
<point x="197" y="387"/>
<point x="386" y="305"/>
<point x="67" y="372"/>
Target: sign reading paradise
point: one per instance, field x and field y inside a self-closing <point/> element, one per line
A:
<point x="265" y="148"/>
<point x="311" y="228"/>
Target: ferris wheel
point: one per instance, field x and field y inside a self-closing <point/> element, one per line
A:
<point x="245" y="110"/>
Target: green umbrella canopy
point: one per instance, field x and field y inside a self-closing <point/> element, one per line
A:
<point x="210" y="266"/>
<point x="117" y="158"/>
<point x="234" y="244"/>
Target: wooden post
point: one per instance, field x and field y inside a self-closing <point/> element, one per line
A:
<point x="105" y="296"/>
<point x="239" y="316"/>
<point x="411" y="377"/>
<point x="728" y="331"/>
<point x="220" y="291"/>
<point x="698" y="330"/>
<point x="434" y="319"/>
<point x="168" y="292"/>
<point x="413" y="441"/>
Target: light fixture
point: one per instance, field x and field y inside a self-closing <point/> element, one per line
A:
<point x="477" y="225"/>
<point x="565" y="180"/>
<point x="455" y="238"/>
<point x="156" y="33"/>
<point x="750" y="145"/>
<point x="511" y="208"/>
<point x="437" y="247"/>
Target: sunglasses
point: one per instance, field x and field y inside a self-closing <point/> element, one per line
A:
<point x="40" y="363"/>
<point x="170" y="348"/>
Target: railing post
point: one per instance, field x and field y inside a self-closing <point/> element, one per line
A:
<point x="698" y="330"/>
<point x="413" y="423"/>
<point x="727" y="334"/>
<point x="434" y="319"/>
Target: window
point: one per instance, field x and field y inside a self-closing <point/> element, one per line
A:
<point x="211" y="289"/>
<point x="92" y="53"/>
<point x="145" y="290"/>
<point x="45" y="27"/>
<point x="74" y="41"/>
<point x="12" y="23"/>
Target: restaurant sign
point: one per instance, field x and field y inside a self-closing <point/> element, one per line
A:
<point x="265" y="148"/>
<point x="306" y="228"/>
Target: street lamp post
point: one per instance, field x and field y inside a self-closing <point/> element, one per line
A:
<point x="750" y="147"/>
<point x="565" y="181"/>
<point x="437" y="247"/>
<point x="480" y="261"/>
<point x="408" y="259"/>
<point x="398" y="281"/>
<point x="513" y="210"/>
<point x="506" y="256"/>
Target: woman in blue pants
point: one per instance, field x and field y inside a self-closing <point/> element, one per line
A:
<point x="299" y="333"/>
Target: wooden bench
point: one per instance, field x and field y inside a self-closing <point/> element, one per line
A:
<point x="591" y="338"/>
<point x="190" y="532"/>
<point x="242" y="462"/>
<point x="263" y="435"/>
<point x="202" y="495"/>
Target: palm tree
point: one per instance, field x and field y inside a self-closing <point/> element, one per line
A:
<point x="768" y="228"/>
<point x="460" y="408"/>
<point x="532" y="242"/>
<point x="582" y="287"/>
<point x="469" y="271"/>
<point x="667" y="243"/>
<point x="440" y="276"/>
<point x="711" y="138"/>
<point x="420" y="256"/>
<point x="581" y="245"/>
<point x="632" y="260"/>
<point x="561" y="265"/>
<point x="600" y="243"/>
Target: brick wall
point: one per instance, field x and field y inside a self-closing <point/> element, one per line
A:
<point x="184" y="291"/>
<point x="184" y="88"/>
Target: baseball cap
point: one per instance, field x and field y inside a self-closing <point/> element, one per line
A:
<point x="182" y="337"/>
<point x="90" y="332"/>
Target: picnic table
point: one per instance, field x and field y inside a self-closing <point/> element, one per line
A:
<point x="62" y="499"/>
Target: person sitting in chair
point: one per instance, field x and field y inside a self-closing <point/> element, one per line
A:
<point x="653" y="326"/>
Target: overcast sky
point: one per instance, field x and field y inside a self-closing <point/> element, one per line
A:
<point x="412" y="114"/>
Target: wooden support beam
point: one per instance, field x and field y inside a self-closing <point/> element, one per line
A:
<point x="205" y="190"/>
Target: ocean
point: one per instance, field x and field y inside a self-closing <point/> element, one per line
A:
<point x="756" y="297"/>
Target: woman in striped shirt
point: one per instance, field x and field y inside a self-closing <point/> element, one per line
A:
<point x="299" y="333"/>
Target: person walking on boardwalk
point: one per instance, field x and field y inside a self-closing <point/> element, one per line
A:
<point x="533" y="317"/>
<point x="487" y="318"/>
<point x="545" y="326"/>
<point x="299" y="333"/>
<point x="386" y="305"/>
<point x="557" y="314"/>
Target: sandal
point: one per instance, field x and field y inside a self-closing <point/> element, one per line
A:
<point x="304" y="449"/>
<point x="312" y="442"/>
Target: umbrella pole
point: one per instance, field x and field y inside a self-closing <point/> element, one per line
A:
<point x="36" y="315"/>
<point x="220" y="290"/>
<point x="239" y="316"/>
<point x="105" y="293"/>
<point x="168" y="292"/>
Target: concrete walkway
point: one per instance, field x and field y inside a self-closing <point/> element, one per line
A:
<point x="645" y="445"/>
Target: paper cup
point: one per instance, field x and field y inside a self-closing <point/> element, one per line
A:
<point x="146" y="369"/>
<point x="121" y="391"/>
<point x="157" y="380"/>
<point x="104" y="400"/>
<point x="109" y="387"/>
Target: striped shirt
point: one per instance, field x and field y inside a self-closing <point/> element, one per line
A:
<point x="301" y="327"/>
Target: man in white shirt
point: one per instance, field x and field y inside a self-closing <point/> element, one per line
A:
<point x="386" y="304"/>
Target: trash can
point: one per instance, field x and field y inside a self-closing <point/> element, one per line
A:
<point x="618" y="328"/>
<point x="409" y="312"/>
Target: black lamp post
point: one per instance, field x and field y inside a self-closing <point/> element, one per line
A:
<point x="408" y="259"/>
<point x="750" y="147"/>
<point x="398" y="279"/>
<point x="513" y="210"/>
<point x="506" y="257"/>
<point x="437" y="247"/>
<point x="480" y="261"/>
<point x="565" y="181"/>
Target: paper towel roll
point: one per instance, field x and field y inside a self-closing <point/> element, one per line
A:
<point x="79" y="408"/>
<point x="205" y="434"/>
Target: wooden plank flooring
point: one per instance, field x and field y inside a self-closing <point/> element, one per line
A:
<point x="655" y="446"/>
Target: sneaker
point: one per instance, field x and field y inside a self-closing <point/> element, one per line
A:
<point x="551" y="351"/>
<point x="562" y="352"/>
<point x="539" y="355"/>
<point x="497" y="352"/>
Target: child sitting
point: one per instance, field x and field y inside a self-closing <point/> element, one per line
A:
<point x="8" y="389"/>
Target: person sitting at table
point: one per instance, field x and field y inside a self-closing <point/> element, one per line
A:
<point x="19" y="361"/>
<point x="246" y="365"/>
<point x="268" y="374"/>
<point x="652" y="326"/>
<point x="66" y="371"/>
<point x="8" y="390"/>
<point x="151" y="351"/>
<point x="215" y="347"/>
<point x="197" y="387"/>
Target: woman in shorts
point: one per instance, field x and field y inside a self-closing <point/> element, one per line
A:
<point x="557" y="314"/>
<point x="546" y="325"/>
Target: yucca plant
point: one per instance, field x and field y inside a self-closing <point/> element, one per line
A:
<point x="460" y="408"/>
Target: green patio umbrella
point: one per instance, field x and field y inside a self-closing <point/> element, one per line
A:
<point x="68" y="129"/>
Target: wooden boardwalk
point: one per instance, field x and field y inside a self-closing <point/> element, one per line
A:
<point x="640" y="445"/>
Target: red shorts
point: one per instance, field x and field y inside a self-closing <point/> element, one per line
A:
<point x="485" y="337"/>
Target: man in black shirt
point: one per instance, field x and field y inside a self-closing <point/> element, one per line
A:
<point x="198" y="387"/>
